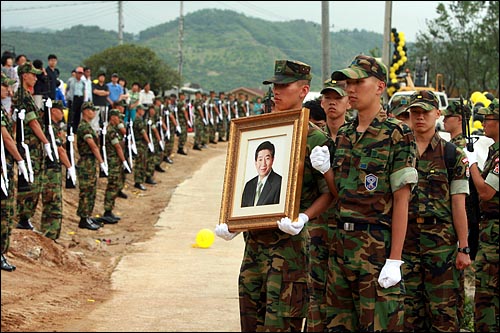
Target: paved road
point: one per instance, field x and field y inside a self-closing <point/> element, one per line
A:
<point x="168" y="285"/>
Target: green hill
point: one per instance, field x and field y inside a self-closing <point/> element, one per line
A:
<point x="222" y="49"/>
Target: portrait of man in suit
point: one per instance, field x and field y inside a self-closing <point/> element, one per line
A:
<point x="265" y="188"/>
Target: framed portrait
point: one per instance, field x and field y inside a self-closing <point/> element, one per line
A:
<point x="264" y="169"/>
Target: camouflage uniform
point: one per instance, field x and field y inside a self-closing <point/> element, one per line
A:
<point x="212" y="118"/>
<point x="222" y="122"/>
<point x="169" y="143"/>
<point x="87" y="169"/>
<point x="487" y="311"/>
<point x="8" y="207"/>
<point x="181" y="108"/>
<point x="368" y="168"/>
<point x="199" y="125"/>
<point x="151" y="158"/>
<point x="431" y="278"/>
<point x="158" y="154"/>
<point x="52" y="211"/>
<point x="140" y="161"/>
<point x="115" y="168"/>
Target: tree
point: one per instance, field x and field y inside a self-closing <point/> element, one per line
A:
<point x="135" y="64"/>
<point x="462" y="43"/>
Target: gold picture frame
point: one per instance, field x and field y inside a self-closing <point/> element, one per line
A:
<point x="287" y="131"/>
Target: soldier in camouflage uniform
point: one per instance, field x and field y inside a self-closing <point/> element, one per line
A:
<point x="335" y="103"/>
<point x="34" y="137"/>
<point x="154" y="138"/>
<point x="274" y="272"/>
<point x="223" y="111"/>
<point x="487" y="311"/>
<point x="213" y="116"/>
<point x="371" y="175"/>
<point x="52" y="211"/>
<point x="170" y="103"/>
<point x="242" y="108"/>
<point x="88" y="149"/>
<point x="398" y="109"/>
<point x="432" y="264"/>
<point x="453" y="124"/>
<point x="11" y="154"/>
<point x="117" y="165"/>
<point x="183" y="118"/>
<point x="121" y="105"/>
<point x="142" y="142"/>
<point x="199" y="121"/>
<point x="160" y="127"/>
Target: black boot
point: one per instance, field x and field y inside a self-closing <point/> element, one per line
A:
<point x="110" y="214"/>
<point x="25" y="224"/>
<point x="150" y="181"/>
<point x="87" y="223"/>
<point x="168" y="160"/>
<point x="159" y="168"/>
<point x="122" y="195"/>
<point x="196" y="147"/>
<point x="181" y="151"/>
<point x="6" y="266"/>
<point x="140" y="186"/>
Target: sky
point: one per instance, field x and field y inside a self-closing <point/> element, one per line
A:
<point x="408" y="17"/>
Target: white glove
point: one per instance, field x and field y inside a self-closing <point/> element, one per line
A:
<point x="48" y="151"/>
<point x="320" y="158"/>
<point x="151" y="146"/>
<point x="293" y="228"/>
<point x="104" y="168"/>
<point x="222" y="231"/>
<point x="22" y="170"/>
<point x="70" y="138"/>
<point x="391" y="273"/>
<point x="471" y="156"/>
<point x="126" y="167"/>
<point x="162" y="145"/>
<point x="205" y="122"/>
<point x="189" y="124"/>
<point x="178" y="129"/>
<point x="72" y="174"/>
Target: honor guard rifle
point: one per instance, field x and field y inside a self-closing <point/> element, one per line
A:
<point x="166" y="114"/>
<point x="211" y="106"/>
<point x="159" y="126"/>
<point x="221" y="110"/>
<point x="149" y="123"/>
<point x="104" y="130"/>
<point x="205" y="113"/>
<point x="236" y="115"/>
<point x="47" y="119"/>
<point x="22" y="184"/>
<point x="70" y="146"/>
<point x="228" y="103"/>
<point x="190" y="121"/>
<point x="5" y="176"/>
<point x="247" y="107"/>
<point x="129" y="139"/>
<point x="178" y="129"/>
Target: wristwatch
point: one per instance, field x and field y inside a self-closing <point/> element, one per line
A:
<point x="465" y="250"/>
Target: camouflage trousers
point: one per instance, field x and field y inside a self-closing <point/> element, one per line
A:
<point x="211" y="130"/>
<point x="7" y="214"/>
<point x="221" y="128"/>
<point x="431" y="278"/>
<point x="355" y="300"/>
<point x="115" y="180"/>
<point x="184" y="134"/>
<point x="150" y="163"/>
<point x="27" y="201"/>
<point x="199" y="131"/>
<point x="487" y="313"/>
<point x="140" y="163"/>
<point x="319" y="240"/>
<point x="87" y="182"/>
<point x="52" y="202"/>
<point x="169" y="143"/>
<point x="273" y="282"/>
<point x="158" y="154"/>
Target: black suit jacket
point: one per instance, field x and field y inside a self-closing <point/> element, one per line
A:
<point x="269" y="195"/>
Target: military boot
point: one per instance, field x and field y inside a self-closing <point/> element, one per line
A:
<point x="87" y="223"/>
<point x="6" y="266"/>
<point x="25" y="224"/>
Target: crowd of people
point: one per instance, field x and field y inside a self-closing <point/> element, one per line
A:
<point x="382" y="236"/>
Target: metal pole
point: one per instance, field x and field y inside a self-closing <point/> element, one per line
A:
<point x="386" y="47"/>
<point x="325" y="38"/>
<point x="120" y="22"/>
<point x="181" y="32"/>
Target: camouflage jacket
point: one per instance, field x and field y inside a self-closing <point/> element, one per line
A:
<point x="84" y="132"/>
<point x="490" y="174"/>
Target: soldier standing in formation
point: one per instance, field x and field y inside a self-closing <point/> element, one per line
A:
<point x="183" y="119"/>
<point x="88" y="149"/>
<point x="199" y="121"/>
<point x="143" y="145"/>
<point x="11" y="154"/>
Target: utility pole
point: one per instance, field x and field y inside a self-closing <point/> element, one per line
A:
<point x="325" y="38"/>
<point x="181" y="37"/>
<point x="120" y="22"/>
<point x="386" y="47"/>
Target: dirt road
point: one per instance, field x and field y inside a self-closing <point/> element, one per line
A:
<point x="166" y="284"/>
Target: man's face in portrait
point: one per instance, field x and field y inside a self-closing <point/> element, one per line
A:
<point x="264" y="162"/>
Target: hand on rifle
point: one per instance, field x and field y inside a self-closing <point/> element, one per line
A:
<point x="22" y="170"/>
<point x="205" y="122"/>
<point x="471" y="156"/>
<point x="48" y="151"/>
<point x="190" y="124"/>
<point x="151" y="147"/>
<point x="72" y="174"/>
<point x="104" y="168"/>
<point x="126" y="167"/>
<point x="162" y="145"/>
<point x="178" y="129"/>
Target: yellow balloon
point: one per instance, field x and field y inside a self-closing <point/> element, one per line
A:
<point x="475" y="96"/>
<point x="399" y="48"/>
<point x="96" y="81"/>
<point x="402" y="54"/>
<point x="404" y="58"/>
<point x="401" y="35"/>
<point x="205" y="238"/>
<point x="478" y="124"/>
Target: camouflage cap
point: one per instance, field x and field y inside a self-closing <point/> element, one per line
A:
<point x="453" y="109"/>
<point x="6" y="81"/>
<point x="114" y="112"/>
<point x="27" y="67"/>
<point x="362" y="67"/>
<point x="492" y="109"/>
<point x="58" y="105"/>
<point x="424" y="99"/>
<point x="139" y="106"/>
<point x="288" y="71"/>
<point x="87" y="105"/>
<point x="332" y="85"/>
<point x="122" y="103"/>
<point x="399" y="104"/>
